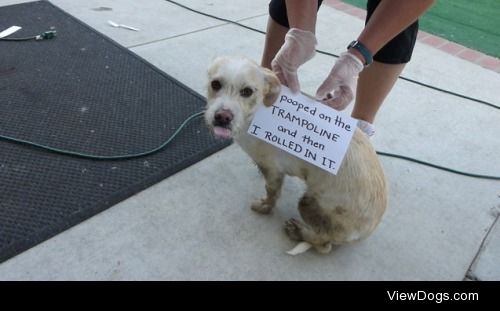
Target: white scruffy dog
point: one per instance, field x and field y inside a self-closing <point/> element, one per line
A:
<point x="335" y="209"/>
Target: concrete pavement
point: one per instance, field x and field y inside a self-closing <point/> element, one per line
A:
<point x="197" y="225"/>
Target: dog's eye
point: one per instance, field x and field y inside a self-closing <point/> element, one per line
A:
<point x="246" y="92"/>
<point x="216" y="85"/>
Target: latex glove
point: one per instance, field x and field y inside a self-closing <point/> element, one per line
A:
<point x="341" y="81"/>
<point x="299" y="47"/>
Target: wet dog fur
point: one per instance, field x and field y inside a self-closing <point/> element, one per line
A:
<point x="335" y="209"/>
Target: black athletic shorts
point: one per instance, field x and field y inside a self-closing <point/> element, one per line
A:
<point x="396" y="51"/>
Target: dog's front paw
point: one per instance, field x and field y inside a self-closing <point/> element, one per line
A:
<point x="262" y="206"/>
<point x="292" y="229"/>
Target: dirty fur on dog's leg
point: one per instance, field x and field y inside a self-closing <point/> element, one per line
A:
<point x="298" y="231"/>
<point x="317" y="228"/>
<point x="274" y="181"/>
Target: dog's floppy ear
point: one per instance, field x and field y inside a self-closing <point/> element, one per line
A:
<point x="272" y="88"/>
<point x="215" y="65"/>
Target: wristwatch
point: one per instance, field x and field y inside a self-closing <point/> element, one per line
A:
<point x="363" y="50"/>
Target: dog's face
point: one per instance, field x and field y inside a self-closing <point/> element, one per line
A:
<point x="236" y="87"/>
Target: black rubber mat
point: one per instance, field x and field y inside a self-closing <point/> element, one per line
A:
<point x="85" y="93"/>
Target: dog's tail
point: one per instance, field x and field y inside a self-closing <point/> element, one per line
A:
<point x="304" y="246"/>
<point x="300" y="248"/>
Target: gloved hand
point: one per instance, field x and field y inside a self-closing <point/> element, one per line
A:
<point x="341" y="81"/>
<point x="299" y="47"/>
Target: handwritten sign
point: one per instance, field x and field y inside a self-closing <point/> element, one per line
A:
<point x="305" y="128"/>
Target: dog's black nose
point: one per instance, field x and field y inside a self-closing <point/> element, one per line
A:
<point x="223" y="117"/>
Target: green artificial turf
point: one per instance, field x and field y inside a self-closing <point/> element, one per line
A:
<point x="474" y="24"/>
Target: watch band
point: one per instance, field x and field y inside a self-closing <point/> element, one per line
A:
<point x="363" y="50"/>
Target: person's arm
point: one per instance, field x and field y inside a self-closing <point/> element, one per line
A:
<point x="300" y="42"/>
<point x="302" y="14"/>
<point x="388" y="20"/>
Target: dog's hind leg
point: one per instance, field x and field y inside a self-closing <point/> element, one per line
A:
<point x="274" y="181"/>
<point x="316" y="230"/>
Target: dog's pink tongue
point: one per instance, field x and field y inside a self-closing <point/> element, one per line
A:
<point x="222" y="132"/>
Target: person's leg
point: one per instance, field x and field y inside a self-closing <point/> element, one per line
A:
<point x="374" y="84"/>
<point x="275" y="37"/>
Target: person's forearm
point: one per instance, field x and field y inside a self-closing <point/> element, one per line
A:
<point x="389" y="19"/>
<point x="302" y="14"/>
